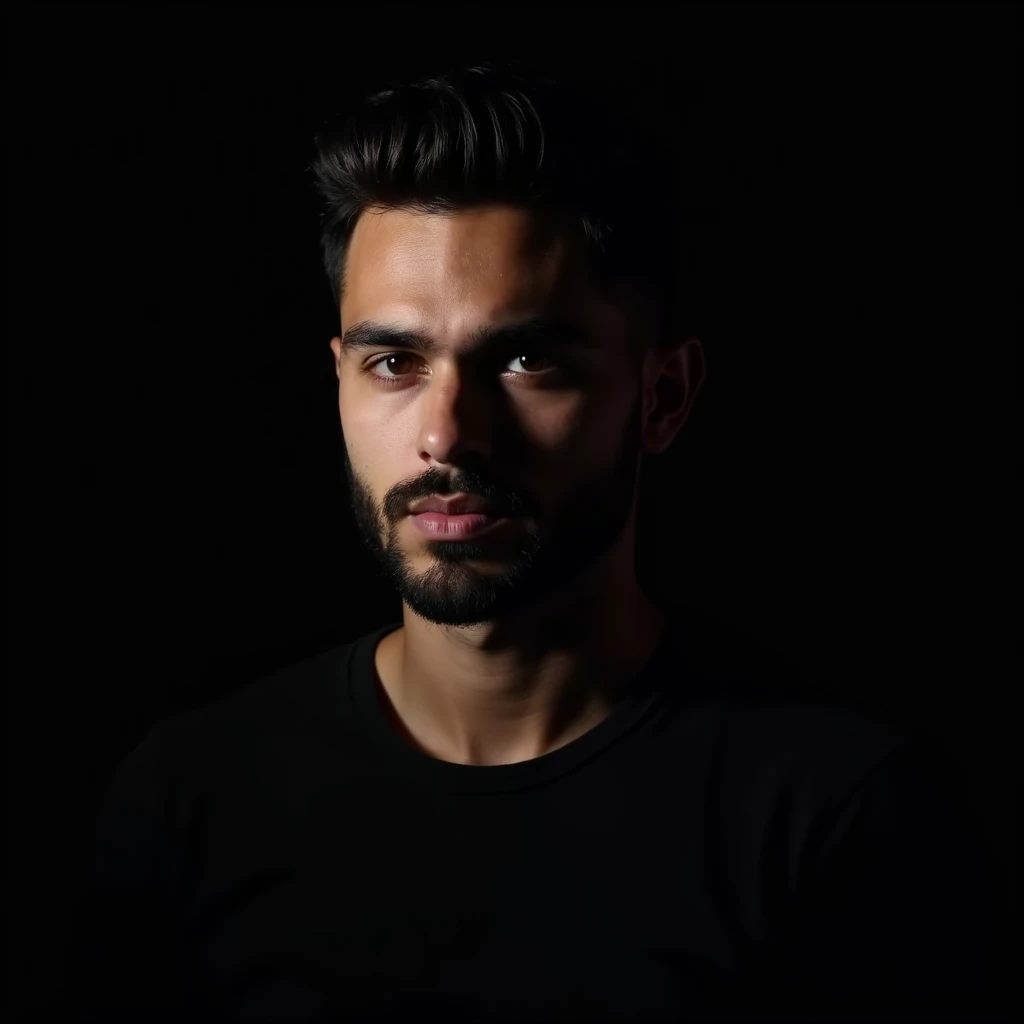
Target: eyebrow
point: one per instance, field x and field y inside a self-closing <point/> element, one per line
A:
<point x="370" y="334"/>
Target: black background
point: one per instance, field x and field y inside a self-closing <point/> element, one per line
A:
<point x="846" y="489"/>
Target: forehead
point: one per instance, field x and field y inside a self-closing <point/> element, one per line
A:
<point x="452" y="271"/>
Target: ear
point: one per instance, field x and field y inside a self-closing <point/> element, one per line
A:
<point x="336" y="349"/>
<point x="672" y="378"/>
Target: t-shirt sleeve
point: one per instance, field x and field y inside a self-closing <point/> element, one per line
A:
<point x="122" y="964"/>
<point x="903" y="914"/>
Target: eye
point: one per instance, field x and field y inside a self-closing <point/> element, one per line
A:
<point x="392" y="367"/>
<point x="529" y="363"/>
<point x="398" y="363"/>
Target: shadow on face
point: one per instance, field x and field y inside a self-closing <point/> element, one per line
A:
<point x="479" y="359"/>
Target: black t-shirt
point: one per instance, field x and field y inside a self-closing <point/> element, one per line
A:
<point x="717" y="848"/>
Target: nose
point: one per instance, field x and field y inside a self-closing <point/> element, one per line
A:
<point x="457" y="422"/>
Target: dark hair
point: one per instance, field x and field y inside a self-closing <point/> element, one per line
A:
<point x="504" y="133"/>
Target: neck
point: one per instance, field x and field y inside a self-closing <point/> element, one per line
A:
<point x="511" y="690"/>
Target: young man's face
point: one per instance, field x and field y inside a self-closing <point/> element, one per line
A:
<point x="547" y="430"/>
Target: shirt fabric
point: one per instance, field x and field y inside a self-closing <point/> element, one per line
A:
<point x="717" y="848"/>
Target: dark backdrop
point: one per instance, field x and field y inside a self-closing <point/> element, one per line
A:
<point x="846" y="490"/>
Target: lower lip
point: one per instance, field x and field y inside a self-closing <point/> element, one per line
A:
<point x="442" y="527"/>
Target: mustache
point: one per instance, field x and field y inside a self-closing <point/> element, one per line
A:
<point x="437" y="482"/>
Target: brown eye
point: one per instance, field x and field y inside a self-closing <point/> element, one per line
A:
<point x="397" y="363"/>
<point x="528" y="363"/>
<point x="391" y="366"/>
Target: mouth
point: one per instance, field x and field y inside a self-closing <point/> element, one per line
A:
<point x="439" y="526"/>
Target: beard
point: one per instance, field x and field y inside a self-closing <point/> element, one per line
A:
<point x="540" y="558"/>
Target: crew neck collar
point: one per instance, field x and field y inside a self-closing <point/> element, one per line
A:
<point x="641" y="699"/>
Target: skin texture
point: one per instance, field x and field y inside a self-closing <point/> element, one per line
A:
<point x="513" y="645"/>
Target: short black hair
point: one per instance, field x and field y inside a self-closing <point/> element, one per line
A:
<point x="513" y="133"/>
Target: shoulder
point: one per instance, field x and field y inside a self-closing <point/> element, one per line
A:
<point x="828" y="748"/>
<point x="294" y="706"/>
<point x="770" y="726"/>
<point x="780" y="773"/>
<point x="901" y="892"/>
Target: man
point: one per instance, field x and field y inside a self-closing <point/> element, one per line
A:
<point x="544" y="794"/>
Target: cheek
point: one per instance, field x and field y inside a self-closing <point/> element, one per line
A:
<point x="371" y="449"/>
<point x="362" y="421"/>
<point x="592" y="438"/>
<point x="553" y="424"/>
<point x="566" y="443"/>
<point x="379" y="440"/>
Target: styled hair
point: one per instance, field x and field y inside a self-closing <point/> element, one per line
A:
<point x="591" y="152"/>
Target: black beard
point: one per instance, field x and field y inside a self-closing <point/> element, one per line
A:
<point x="452" y="592"/>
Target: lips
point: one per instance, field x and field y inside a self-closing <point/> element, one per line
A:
<point x="457" y="518"/>
<point x="459" y="505"/>
<point x="438" y="526"/>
